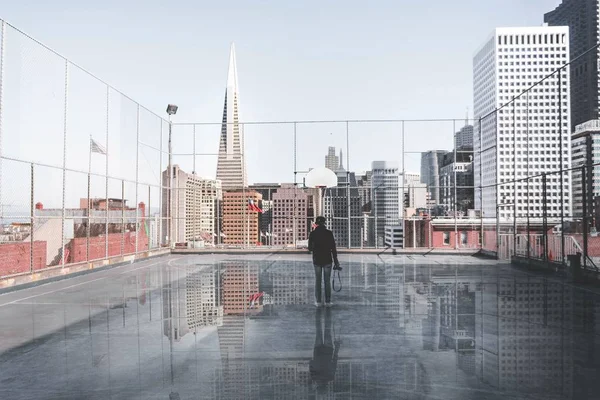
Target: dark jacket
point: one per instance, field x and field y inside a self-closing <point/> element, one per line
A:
<point x="322" y="245"/>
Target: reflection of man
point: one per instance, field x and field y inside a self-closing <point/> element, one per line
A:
<point x="325" y="354"/>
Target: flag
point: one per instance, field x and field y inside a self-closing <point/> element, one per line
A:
<point x="253" y="207"/>
<point x="223" y="235"/>
<point x="262" y="234"/>
<point x="214" y="235"/>
<point x="268" y="234"/>
<point x="96" y="147"/>
<point x="254" y="298"/>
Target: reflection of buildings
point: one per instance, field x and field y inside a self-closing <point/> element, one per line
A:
<point x="191" y="299"/>
<point x="240" y="280"/>
<point x="521" y="341"/>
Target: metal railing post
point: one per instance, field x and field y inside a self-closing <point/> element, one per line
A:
<point x="32" y="220"/>
<point x="545" y="217"/>
<point x="585" y="215"/>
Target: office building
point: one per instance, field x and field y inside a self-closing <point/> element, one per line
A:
<point x="194" y="210"/>
<point x="231" y="165"/>
<point x="265" y="219"/>
<point x="290" y="213"/>
<point x="342" y="210"/>
<point x="586" y="152"/>
<point x="240" y="224"/>
<point x="415" y="196"/>
<point x="511" y="61"/>
<point x="331" y="160"/>
<point x="394" y="236"/>
<point x="385" y="199"/>
<point x="430" y="172"/>
<point x="456" y="181"/>
<point x="581" y="16"/>
<point x="464" y="138"/>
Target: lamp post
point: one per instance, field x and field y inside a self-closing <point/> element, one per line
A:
<point x="171" y="110"/>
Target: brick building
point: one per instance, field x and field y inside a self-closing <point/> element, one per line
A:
<point x="290" y="214"/>
<point x="240" y="225"/>
<point x="15" y="257"/>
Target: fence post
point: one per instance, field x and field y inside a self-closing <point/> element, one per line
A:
<point x="481" y="187"/>
<point x="122" y="217"/>
<point x="64" y="166"/>
<point x="31" y="226"/>
<point x="544" y="218"/>
<point x="89" y="217"/>
<point x="585" y="216"/>
<point x="2" y="53"/>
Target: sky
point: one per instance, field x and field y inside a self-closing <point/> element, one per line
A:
<point x="296" y="61"/>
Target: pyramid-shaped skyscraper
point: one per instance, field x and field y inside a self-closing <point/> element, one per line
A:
<point x="231" y="166"/>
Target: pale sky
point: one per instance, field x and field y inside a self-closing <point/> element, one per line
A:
<point x="304" y="60"/>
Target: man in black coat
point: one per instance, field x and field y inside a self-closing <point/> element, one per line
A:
<point x="322" y="245"/>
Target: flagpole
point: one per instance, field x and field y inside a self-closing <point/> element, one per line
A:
<point x="90" y="157"/>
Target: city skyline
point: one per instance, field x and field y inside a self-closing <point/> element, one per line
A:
<point x="209" y="73"/>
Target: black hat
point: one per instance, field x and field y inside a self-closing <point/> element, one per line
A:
<point x="320" y="221"/>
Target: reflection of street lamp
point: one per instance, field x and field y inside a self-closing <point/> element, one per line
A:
<point x="171" y="110"/>
<point x="321" y="178"/>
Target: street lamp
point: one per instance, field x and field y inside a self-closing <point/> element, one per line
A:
<point x="171" y="110"/>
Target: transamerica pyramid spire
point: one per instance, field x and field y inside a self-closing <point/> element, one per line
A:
<point x="231" y="166"/>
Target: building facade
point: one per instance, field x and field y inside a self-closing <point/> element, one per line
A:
<point x="456" y="180"/>
<point x="464" y="138"/>
<point x="431" y="162"/>
<point x="265" y="219"/>
<point x="385" y="192"/>
<point x="290" y="214"/>
<point x="586" y="152"/>
<point x="240" y="225"/>
<point x="331" y="160"/>
<point x="194" y="210"/>
<point x="522" y="139"/>
<point x="342" y="210"/>
<point x="582" y="18"/>
<point x="231" y="165"/>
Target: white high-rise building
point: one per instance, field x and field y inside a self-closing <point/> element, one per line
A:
<point x="231" y="165"/>
<point x="195" y="207"/>
<point x="522" y="138"/>
<point x="385" y="193"/>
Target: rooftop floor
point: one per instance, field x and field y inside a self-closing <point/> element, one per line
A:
<point x="404" y="326"/>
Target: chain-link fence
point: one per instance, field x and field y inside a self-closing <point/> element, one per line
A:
<point x="512" y="182"/>
<point x="80" y="164"/>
